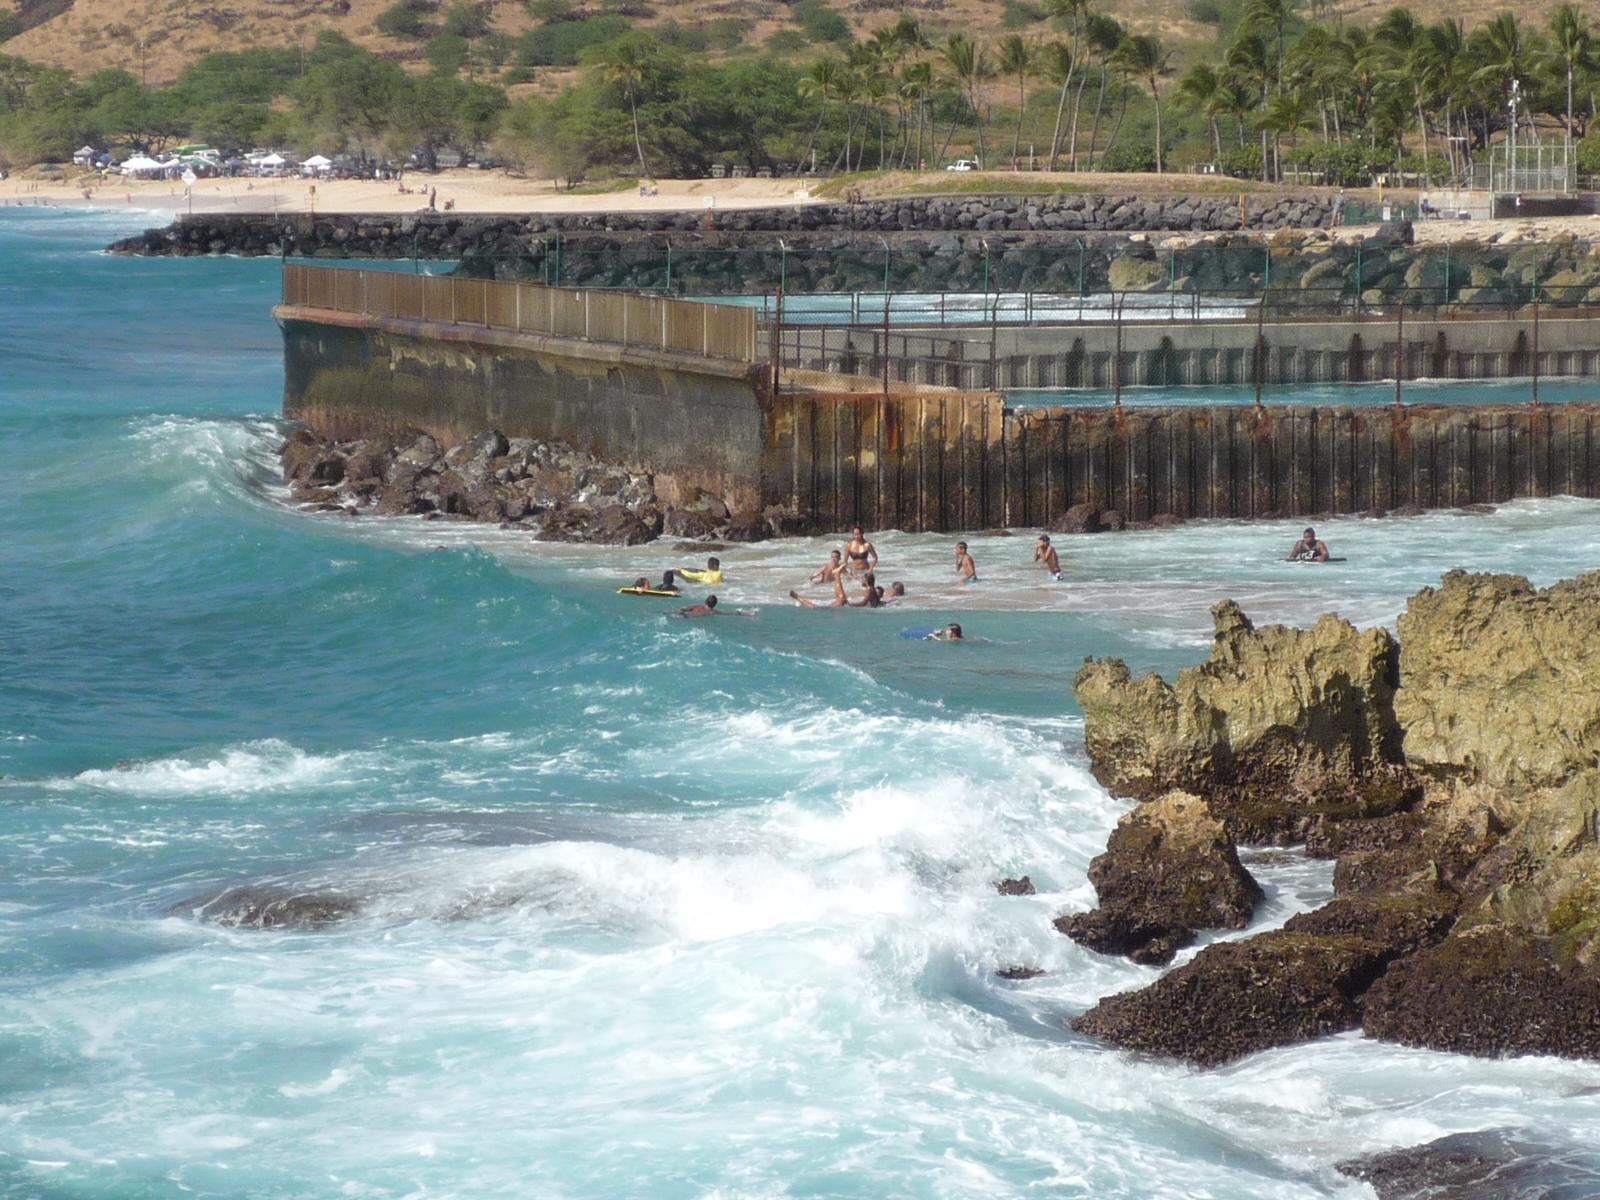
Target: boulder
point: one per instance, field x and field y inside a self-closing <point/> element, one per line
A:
<point x="369" y="460"/>
<point x="1500" y="681"/>
<point x="1112" y="521"/>
<point x="1487" y="991"/>
<point x="1236" y="998"/>
<point x="745" y="525"/>
<point x="1278" y="726"/>
<point x="1136" y="274"/>
<point x="1015" y="887"/>
<point x="422" y="453"/>
<point x="1168" y="871"/>
<point x="1080" y="518"/>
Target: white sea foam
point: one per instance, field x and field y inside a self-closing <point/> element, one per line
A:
<point x="254" y="767"/>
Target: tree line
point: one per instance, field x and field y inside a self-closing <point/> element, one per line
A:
<point x="1071" y="89"/>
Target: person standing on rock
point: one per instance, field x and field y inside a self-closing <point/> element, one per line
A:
<point x="1308" y="548"/>
<point x="1044" y="552"/>
<point x="965" y="567"/>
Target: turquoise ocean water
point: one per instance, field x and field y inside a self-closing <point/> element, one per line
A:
<point x="650" y="908"/>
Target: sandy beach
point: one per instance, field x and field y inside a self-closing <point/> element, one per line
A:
<point x="470" y="192"/>
<point x="494" y="192"/>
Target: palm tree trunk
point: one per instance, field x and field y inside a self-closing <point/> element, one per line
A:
<point x="1155" y="94"/>
<point x="1216" y="136"/>
<point x="1061" y="108"/>
<point x="1077" y="107"/>
<point x="1022" y="103"/>
<point x="977" y="120"/>
<point x="1099" y="104"/>
<point x="638" y="146"/>
<point x="1122" y="113"/>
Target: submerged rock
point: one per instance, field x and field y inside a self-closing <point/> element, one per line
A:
<point x="1169" y="870"/>
<point x="1015" y="887"/>
<point x="1490" y="1164"/>
<point x="255" y="906"/>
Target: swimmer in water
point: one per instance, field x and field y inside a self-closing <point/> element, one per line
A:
<point x="829" y="571"/>
<point x="707" y="609"/>
<point x="860" y="555"/>
<point x="950" y="633"/>
<point x="965" y="567"/>
<point x="1308" y="548"/>
<point x="895" y="594"/>
<point x="712" y="575"/>
<point x="1044" y="552"/>
<point x="668" y="583"/>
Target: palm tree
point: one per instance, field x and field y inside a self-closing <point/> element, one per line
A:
<point x="1105" y="35"/>
<point x="1067" y="58"/>
<point x="821" y="80"/>
<point x="1201" y="90"/>
<point x="1144" y="57"/>
<point x="1572" y="48"/>
<point x="627" y="63"/>
<point x="1017" y="57"/>
<point x="1272" y="16"/>
<point x="1250" y="60"/>
<point x="916" y="81"/>
<point x="967" y="64"/>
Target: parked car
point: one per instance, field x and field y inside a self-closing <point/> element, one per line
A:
<point x="964" y="164"/>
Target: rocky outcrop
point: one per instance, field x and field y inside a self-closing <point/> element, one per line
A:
<point x="555" y="492"/>
<point x="1169" y="870"/>
<point x="269" y="907"/>
<point x="1490" y="1164"/>
<point x="1452" y="776"/>
<point x="1278" y="727"/>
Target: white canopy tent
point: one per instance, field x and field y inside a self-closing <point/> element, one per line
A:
<point x="317" y="162"/>
<point x="272" y="160"/>
<point x="141" y="164"/>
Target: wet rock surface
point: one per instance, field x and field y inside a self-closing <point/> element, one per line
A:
<point x="555" y="492"/>
<point x="1491" y="1164"/>
<point x="1169" y="870"/>
<point x="1450" y="775"/>
<point x="258" y="906"/>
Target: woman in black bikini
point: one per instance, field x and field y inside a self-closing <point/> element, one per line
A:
<point x="860" y="555"/>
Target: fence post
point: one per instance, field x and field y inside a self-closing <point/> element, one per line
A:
<point x="775" y="338"/>
<point x="1260" y="356"/>
<point x="585" y="295"/>
<point x="1358" y="279"/>
<point x="705" y="330"/>
<point x="1116" y="354"/>
<point x="886" y="342"/>
<point x="1399" y="353"/>
<point x="1535" y="399"/>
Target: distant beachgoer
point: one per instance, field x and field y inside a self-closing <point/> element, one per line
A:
<point x="860" y="554"/>
<point x="828" y="571"/>
<point x="1308" y="548"/>
<point x="433" y="197"/>
<point x="1044" y="552"/>
<point x="712" y="575"/>
<point x="965" y="567"/>
<point x="706" y="609"/>
<point x="950" y="633"/>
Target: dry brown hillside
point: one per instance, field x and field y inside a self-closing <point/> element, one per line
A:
<point x="158" y="37"/>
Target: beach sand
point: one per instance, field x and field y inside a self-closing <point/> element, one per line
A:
<point x="472" y="192"/>
<point x="495" y="192"/>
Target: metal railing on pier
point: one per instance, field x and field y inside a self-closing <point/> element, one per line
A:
<point x="722" y="331"/>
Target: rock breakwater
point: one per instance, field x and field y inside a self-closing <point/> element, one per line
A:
<point x="1450" y="772"/>
<point x="550" y="489"/>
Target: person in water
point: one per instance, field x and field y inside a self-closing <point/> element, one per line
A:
<point x="950" y="633"/>
<point x="895" y="594"/>
<point x="965" y="567"/>
<point x="711" y="575"/>
<point x="668" y="582"/>
<point x="1308" y="548"/>
<point x="706" y="609"/>
<point x="860" y="555"/>
<point x="872" y="599"/>
<point x="829" y="571"/>
<point x="1044" y="552"/>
